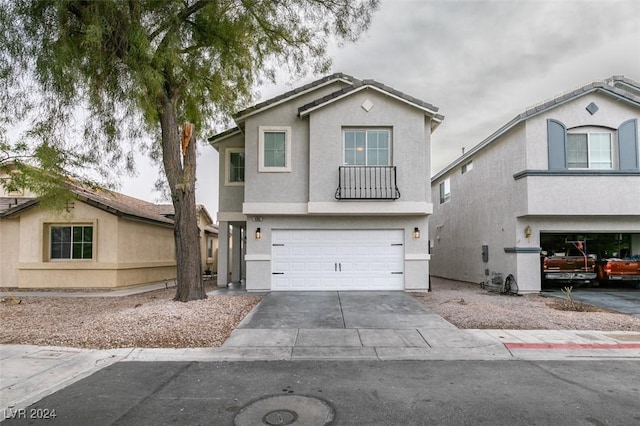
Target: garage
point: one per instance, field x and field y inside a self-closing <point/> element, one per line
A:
<point x="596" y="245"/>
<point x="317" y="260"/>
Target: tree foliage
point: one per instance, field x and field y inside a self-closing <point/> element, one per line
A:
<point x="116" y="72"/>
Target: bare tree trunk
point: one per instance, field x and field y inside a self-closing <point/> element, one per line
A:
<point x="180" y="169"/>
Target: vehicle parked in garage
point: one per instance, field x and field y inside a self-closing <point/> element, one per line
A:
<point x="614" y="269"/>
<point x="574" y="266"/>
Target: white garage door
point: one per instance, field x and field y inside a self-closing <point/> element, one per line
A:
<point x="337" y="260"/>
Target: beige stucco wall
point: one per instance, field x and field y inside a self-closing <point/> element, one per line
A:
<point x="125" y="252"/>
<point x="9" y="242"/>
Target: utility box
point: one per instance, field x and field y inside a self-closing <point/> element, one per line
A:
<point x="485" y="253"/>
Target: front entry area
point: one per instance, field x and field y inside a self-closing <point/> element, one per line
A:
<point x="319" y="260"/>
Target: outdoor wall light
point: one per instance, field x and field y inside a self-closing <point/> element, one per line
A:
<point x="416" y="232"/>
<point x="527" y="232"/>
<point x="258" y="234"/>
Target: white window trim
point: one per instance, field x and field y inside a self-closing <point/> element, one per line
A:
<point x="287" y="143"/>
<point x="50" y="227"/>
<point x="467" y="167"/>
<point x="589" y="162"/>
<point x="227" y="167"/>
<point x="442" y="190"/>
<point x="366" y="130"/>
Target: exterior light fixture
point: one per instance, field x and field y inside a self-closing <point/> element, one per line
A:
<point x="416" y="232"/>
<point x="527" y="232"/>
<point x="258" y="234"/>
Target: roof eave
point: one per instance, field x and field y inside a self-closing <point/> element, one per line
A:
<point x="429" y="112"/>
<point x="341" y="78"/>
<point x="532" y="112"/>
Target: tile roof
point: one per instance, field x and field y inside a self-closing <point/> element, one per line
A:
<point x="292" y="93"/>
<point x="354" y="85"/>
<point x="618" y="86"/>
<point x="120" y="204"/>
<point x="223" y="135"/>
<point x="9" y="205"/>
<point x="110" y="201"/>
<point x="359" y="85"/>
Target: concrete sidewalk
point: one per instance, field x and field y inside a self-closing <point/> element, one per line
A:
<point x="337" y="326"/>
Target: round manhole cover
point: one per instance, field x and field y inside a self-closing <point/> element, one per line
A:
<point x="280" y="417"/>
<point x="285" y="410"/>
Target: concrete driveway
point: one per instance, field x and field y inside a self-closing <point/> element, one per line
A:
<point x="626" y="300"/>
<point x="349" y="325"/>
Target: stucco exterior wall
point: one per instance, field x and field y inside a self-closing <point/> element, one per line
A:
<point x="230" y="197"/>
<point x="9" y="255"/>
<point x="281" y="187"/>
<point x="480" y="212"/>
<point x="409" y="143"/>
<point x="611" y="114"/>
<point x="489" y="206"/>
<point x="125" y="252"/>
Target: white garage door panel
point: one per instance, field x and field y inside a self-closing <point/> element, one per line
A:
<point x="337" y="260"/>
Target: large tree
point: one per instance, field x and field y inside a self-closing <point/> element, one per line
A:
<point x="132" y="68"/>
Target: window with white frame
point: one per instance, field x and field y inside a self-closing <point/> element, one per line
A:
<point x="367" y="147"/>
<point x="589" y="151"/>
<point x="234" y="166"/>
<point x="71" y="242"/>
<point x="445" y="190"/>
<point x="274" y="149"/>
<point x="467" y="167"/>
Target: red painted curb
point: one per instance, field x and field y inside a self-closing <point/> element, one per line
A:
<point x="572" y="345"/>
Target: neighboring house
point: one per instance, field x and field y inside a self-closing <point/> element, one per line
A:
<point x="102" y="240"/>
<point x="208" y="236"/>
<point x="566" y="170"/>
<point x="323" y="188"/>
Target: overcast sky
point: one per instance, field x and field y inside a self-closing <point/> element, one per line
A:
<point x="481" y="62"/>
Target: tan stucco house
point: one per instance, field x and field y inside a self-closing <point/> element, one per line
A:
<point x="103" y="239"/>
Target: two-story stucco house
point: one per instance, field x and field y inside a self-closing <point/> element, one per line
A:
<point x="562" y="172"/>
<point x="322" y="186"/>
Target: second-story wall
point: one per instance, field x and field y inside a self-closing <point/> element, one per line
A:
<point x="231" y="195"/>
<point x="479" y="211"/>
<point x="282" y="186"/>
<point x="409" y="143"/>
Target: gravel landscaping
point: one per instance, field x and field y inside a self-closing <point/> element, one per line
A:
<point x="154" y="320"/>
<point x="466" y="305"/>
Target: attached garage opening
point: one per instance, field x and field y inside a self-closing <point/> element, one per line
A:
<point x="323" y="260"/>
<point x="571" y="247"/>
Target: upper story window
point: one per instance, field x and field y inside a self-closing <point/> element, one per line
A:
<point x="234" y="167"/>
<point x="274" y="149"/>
<point x="71" y="242"/>
<point x="589" y="151"/>
<point x="593" y="147"/>
<point x="445" y="190"/>
<point x="467" y="167"/>
<point x="370" y="147"/>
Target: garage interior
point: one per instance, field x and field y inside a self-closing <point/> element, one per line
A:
<point x="602" y="245"/>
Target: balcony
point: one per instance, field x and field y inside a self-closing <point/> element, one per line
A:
<point x="367" y="183"/>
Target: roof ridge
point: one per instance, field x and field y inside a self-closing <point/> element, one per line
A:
<point x="294" y="91"/>
<point x="608" y="82"/>
<point x="370" y="82"/>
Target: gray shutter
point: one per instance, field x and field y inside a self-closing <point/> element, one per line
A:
<point x="557" y="140"/>
<point x="628" y="145"/>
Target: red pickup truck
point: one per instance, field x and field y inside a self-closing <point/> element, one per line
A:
<point x="614" y="269"/>
<point x="573" y="267"/>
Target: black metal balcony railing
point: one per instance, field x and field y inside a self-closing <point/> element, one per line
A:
<point x="367" y="183"/>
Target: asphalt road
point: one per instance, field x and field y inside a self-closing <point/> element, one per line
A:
<point x="347" y="393"/>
